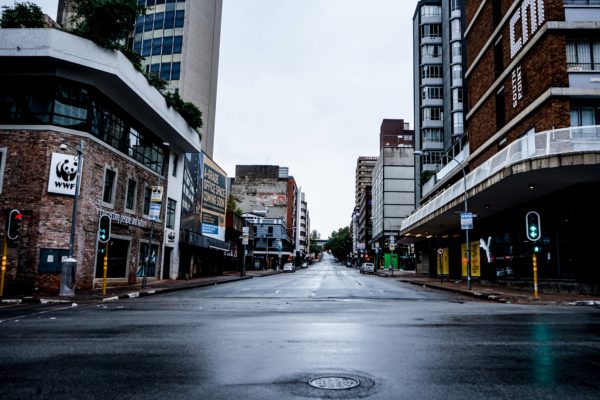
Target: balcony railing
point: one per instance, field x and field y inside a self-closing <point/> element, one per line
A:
<point x="538" y="145"/>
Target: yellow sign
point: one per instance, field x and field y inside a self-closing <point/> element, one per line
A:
<point x="475" y="260"/>
<point x="443" y="263"/>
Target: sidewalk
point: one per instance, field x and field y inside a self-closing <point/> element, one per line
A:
<point x="132" y="291"/>
<point x="489" y="291"/>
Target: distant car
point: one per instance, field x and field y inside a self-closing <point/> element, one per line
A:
<point x="367" y="268"/>
<point x="289" y="267"/>
<point x="304" y="265"/>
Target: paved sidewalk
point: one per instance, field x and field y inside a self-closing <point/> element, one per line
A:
<point x="131" y="291"/>
<point x="491" y="292"/>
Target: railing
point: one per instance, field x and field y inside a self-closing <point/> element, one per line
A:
<point x="537" y="145"/>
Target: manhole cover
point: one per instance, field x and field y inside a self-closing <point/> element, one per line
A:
<point x="334" y="382"/>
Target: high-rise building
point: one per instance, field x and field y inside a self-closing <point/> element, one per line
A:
<point x="438" y="61"/>
<point x="179" y="41"/>
<point x="364" y="172"/>
<point x="533" y="117"/>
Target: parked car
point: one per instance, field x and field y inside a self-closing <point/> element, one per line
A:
<point x="304" y="264"/>
<point x="367" y="268"/>
<point x="289" y="267"/>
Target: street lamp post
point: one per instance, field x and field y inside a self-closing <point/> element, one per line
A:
<point x="69" y="265"/>
<point x="466" y="210"/>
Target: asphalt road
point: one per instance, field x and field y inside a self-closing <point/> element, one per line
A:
<point x="266" y="338"/>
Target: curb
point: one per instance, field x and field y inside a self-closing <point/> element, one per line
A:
<point x="130" y="295"/>
<point x="476" y="295"/>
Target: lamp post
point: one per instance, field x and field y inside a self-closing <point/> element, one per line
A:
<point x="149" y="250"/>
<point x="466" y="211"/>
<point x="69" y="265"/>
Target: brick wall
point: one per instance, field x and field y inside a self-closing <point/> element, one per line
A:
<point x="48" y="226"/>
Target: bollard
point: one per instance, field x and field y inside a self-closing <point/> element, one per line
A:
<point x="67" y="279"/>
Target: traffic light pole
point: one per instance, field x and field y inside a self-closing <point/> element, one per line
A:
<point x="105" y="270"/>
<point x="4" y="252"/>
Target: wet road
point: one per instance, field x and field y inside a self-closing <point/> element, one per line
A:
<point x="265" y="338"/>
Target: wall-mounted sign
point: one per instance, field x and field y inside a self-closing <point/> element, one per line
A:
<point x="157" y="193"/>
<point x="526" y="20"/>
<point x="214" y="194"/>
<point x="517" y="86"/>
<point x="124" y="219"/>
<point x="63" y="174"/>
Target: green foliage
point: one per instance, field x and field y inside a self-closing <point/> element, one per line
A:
<point x="23" y="15"/>
<point x="340" y="243"/>
<point x="426" y="176"/>
<point x="156" y="81"/>
<point x="106" y="22"/>
<point x="232" y="205"/>
<point x="188" y="111"/>
<point x="314" y="247"/>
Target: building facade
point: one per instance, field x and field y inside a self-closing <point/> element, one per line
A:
<point x="179" y="41"/>
<point x="64" y="96"/>
<point x="438" y="92"/>
<point x="364" y="172"/>
<point x="533" y="96"/>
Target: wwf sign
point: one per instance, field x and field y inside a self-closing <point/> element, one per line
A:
<point x="63" y="174"/>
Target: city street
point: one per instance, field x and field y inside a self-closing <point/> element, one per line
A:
<point x="266" y="338"/>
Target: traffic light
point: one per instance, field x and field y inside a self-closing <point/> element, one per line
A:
<point x="13" y="230"/>
<point x="104" y="228"/>
<point x="533" y="227"/>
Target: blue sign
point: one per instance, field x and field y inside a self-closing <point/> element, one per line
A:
<point x="210" y="229"/>
<point x="466" y="220"/>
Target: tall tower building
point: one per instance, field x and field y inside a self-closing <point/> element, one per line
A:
<point x="438" y="92"/>
<point x="179" y="41"/>
<point x="364" y="172"/>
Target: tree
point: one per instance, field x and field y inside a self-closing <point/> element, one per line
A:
<point x="314" y="247"/>
<point x="106" y="22"/>
<point x="23" y="15"/>
<point x="339" y="243"/>
<point x="188" y="111"/>
<point x="232" y="205"/>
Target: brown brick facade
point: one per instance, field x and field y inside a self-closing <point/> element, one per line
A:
<point x="541" y="68"/>
<point x="48" y="220"/>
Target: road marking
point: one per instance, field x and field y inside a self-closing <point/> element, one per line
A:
<point x="358" y="282"/>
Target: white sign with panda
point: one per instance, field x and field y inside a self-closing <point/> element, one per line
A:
<point x="63" y="174"/>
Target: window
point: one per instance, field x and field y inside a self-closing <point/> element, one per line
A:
<point x="457" y="96"/>
<point x="147" y="260"/>
<point x="583" y="56"/>
<point x="167" y="45"/>
<point x="455" y="32"/>
<point x="109" y="186"/>
<point x="147" y="197"/>
<point x="582" y="2"/>
<point x="456" y="74"/>
<point x="432" y="92"/>
<point x="269" y="231"/>
<point x="431" y="50"/>
<point x="431" y="31"/>
<point x="149" y="22"/>
<point x="171" y="206"/>
<point x="432" y="114"/>
<point x="432" y="135"/>
<point x="175" y="71"/>
<point x="584" y="116"/>
<point x="177" y="44"/>
<point x="456" y="49"/>
<point x="179" y="14"/>
<point x="431" y="11"/>
<point x="159" y="21"/>
<point x="130" y="196"/>
<point x="175" y="159"/>
<point x="165" y="71"/>
<point x="455" y="5"/>
<point x="431" y="71"/>
<point x="156" y="46"/>
<point x="458" y="127"/>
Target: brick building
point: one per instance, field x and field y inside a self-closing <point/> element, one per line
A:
<point x="533" y="90"/>
<point x="61" y="92"/>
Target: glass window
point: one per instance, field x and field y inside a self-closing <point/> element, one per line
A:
<point x="175" y="71"/>
<point x="118" y="252"/>
<point x="130" y="197"/>
<point x="137" y="46"/>
<point x="431" y="11"/>
<point x="149" y="22"/>
<point x="146" y="48"/>
<point x="432" y="113"/>
<point x="456" y="49"/>
<point x="456" y="74"/>
<point x="109" y="186"/>
<point x="458" y="123"/>
<point x="171" y="206"/>
<point x="179" y="18"/>
<point x="159" y="20"/>
<point x="167" y="45"/>
<point x="433" y="135"/>
<point x="432" y="92"/>
<point x="70" y="106"/>
<point x="455" y="32"/>
<point x="156" y="46"/>
<point x="147" y="260"/>
<point x="169" y="19"/>
<point x="165" y="71"/>
<point x="177" y="44"/>
<point x="147" y="197"/>
<point x="455" y="5"/>
<point x="431" y="71"/>
<point x="431" y="30"/>
<point x="457" y="96"/>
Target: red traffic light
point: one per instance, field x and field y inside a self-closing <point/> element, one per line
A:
<point x="13" y="229"/>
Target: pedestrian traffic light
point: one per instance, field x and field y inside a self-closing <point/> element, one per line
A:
<point x="104" y="228"/>
<point x="13" y="229"/>
<point x="532" y="226"/>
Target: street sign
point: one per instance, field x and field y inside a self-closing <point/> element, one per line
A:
<point x="245" y="241"/>
<point x="157" y="192"/>
<point x="466" y="220"/>
<point x="392" y="239"/>
<point x="154" y="211"/>
<point x="246" y="231"/>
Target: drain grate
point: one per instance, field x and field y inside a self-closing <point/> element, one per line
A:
<point x="334" y="382"/>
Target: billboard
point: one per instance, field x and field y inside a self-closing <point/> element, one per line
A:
<point x="214" y="200"/>
<point x="191" y="199"/>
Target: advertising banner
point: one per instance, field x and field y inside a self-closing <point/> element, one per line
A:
<point x="475" y="261"/>
<point x="214" y="192"/>
<point x="191" y="203"/>
<point x="63" y="174"/>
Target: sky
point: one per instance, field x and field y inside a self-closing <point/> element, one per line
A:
<point x="305" y="85"/>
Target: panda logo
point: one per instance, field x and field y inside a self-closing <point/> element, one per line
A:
<point x="67" y="170"/>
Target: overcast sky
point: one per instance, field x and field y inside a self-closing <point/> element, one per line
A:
<point x="305" y="84"/>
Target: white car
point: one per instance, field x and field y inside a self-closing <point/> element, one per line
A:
<point x="289" y="267"/>
<point x="367" y="268"/>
